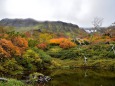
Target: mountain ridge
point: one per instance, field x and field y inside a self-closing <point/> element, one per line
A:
<point x="29" y="24"/>
<point x="19" y="22"/>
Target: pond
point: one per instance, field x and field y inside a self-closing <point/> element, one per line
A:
<point x="78" y="77"/>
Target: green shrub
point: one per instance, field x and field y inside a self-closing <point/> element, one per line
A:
<point x="43" y="55"/>
<point x="90" y="51"/>
<point x="12" y="82"/>
<point x="86" y="42"/>
<point x="99" y="50"/>
<point x="111" y="54"/>
<point x="32" y="43"/>
<point x="54" y="51"/>
<point x="12" y="67"/>
<point x="71" y="53"/>
<point x="31" y="60"/>
<point x="28" y="64"/>
<point x="30" y="53"/>
<point x="46" y="59"/>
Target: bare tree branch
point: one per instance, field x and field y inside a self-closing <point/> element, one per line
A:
<point x="97" y="22"/>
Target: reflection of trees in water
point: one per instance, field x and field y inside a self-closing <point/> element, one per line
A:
<point x="85" y="60"/>
<point x="84" y="77"/>
<point x="86" y="73"/>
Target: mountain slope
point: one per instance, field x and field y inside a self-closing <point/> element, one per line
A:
<point x="47" y="26"/>
<point x="18" y="22"/>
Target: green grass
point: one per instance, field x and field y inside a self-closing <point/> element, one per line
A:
<point x="91" y="63"/>
<point x="12" y="82"/>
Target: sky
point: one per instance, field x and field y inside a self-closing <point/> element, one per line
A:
<point x="80" y="12"/>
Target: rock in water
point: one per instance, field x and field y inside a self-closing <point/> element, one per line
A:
<point x="38" y="77"/>
<point x="43" y="79"/>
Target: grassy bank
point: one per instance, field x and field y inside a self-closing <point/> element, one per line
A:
<point x="108" y="64"/>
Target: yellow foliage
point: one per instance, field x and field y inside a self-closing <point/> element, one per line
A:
<point x="45" y="37"/>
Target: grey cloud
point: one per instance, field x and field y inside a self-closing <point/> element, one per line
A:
<point x="2" y="9"/>
<point x="72" y="11"/>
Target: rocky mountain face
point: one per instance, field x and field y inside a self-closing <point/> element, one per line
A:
<point x="50" y="26"/>
<point x="31" y="22"/>
<point x="18" y="22"/>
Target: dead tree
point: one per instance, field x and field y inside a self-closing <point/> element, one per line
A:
<point x="97" y="23"/>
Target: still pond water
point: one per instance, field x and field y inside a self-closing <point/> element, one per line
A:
<point x="79" y="77"/>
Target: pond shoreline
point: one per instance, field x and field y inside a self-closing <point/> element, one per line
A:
<point x="62" y="75"/>
<point x="104" y="64"/>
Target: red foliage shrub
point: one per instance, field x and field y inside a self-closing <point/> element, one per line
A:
<point x="42" y="46"/>
<point x="27" y="34"/>
<point x="113" y="39"/>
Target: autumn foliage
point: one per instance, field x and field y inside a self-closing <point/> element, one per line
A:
<point x="15" y="46"/>
<point x="57" y="41"/>
<point x="42" y="46"/>
<point x="67" y="44"/>
<point x="27" y="34"/>
<point x="63" y="42"/>
<point x="22" y="43"/>
<point x="45" y="37"/>
<point x="7" y="49"/>
<point x="113" y="39"/>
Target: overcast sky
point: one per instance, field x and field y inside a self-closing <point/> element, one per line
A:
<point x="80" y="12"/>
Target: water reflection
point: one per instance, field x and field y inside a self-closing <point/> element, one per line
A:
<point x="79" y="77"/>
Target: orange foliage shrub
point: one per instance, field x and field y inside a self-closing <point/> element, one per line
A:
<point x="15" y="46"/>
<point x="22" y="43"/>
<point x="62" y="42"/>
<point x="101" y="39"/>
<point x="3" y="53"/>
<point x="57" y="41"/>
<point x="7" y="49"/>
<point x="67" y="44"/>
<point x="42" y="46"/>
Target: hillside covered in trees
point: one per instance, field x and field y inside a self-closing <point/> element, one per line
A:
<point x="50" y="45"/>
